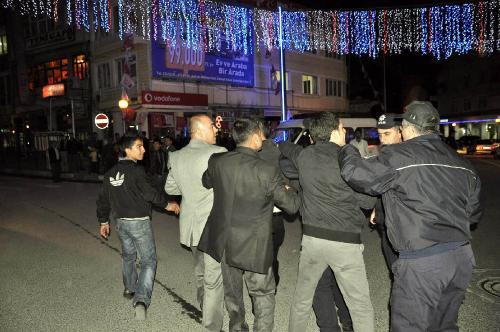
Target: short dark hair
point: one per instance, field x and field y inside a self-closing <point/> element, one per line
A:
<point x="243" y="128"/>
<point x="322" y="126"/>
<point x="266" y="127"/>
<point x="127" y="142"/>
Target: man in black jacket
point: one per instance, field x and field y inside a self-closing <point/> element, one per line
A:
<point x="389" y="132"/>
<point x="238" y="231"/>
<point x="332" y="221"/>
<point x="127" y="193"/>
<point x="431" y="198"/>
<point x="272" y="155"/>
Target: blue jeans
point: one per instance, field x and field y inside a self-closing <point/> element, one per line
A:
<point x="136" y="236"/>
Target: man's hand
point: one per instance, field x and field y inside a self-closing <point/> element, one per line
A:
<point x="173" y="207"/>
<point x="104" y="231"/>
<point x="373" y="220"/>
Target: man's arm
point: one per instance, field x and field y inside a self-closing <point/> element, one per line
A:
<point x="369" y="176"/>
<point x="473" y="207"/>
<point x="288" y="169"/>
<point x="207" y="178"/>
<point x="103" y="211"/>
<point x="285" y="197"/>
<point x="290" y="151"/>
<point x="171" y="187"/>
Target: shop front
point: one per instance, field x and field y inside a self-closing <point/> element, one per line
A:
<point x="166" y="113"/>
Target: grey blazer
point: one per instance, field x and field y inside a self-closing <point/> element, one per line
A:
<point x="186" y="168"/>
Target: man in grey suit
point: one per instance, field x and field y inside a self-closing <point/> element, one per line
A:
<point x="186" y="168"/>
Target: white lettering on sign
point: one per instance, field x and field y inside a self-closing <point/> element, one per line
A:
<point x="164" y="99"/>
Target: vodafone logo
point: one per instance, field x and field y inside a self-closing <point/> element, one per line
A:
<point x="173" y="98"/>
<point x="148" y="97"/>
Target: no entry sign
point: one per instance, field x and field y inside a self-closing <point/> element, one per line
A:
<point x="101" y="121"/>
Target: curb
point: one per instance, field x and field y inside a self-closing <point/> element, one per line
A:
<point x="68" y="177"/>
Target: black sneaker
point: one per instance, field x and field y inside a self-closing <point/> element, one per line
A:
<point x="140" y="311"/>
<point x="128" y="294"/>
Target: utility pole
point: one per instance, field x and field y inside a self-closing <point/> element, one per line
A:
<point x="282" y="66"/>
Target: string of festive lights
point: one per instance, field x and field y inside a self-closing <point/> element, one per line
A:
<point x="211" y="25"/>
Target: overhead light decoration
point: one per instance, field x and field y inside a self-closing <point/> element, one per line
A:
<point x="441" y="31"/>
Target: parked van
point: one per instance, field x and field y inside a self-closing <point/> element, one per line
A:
<point x="295" y="131"/>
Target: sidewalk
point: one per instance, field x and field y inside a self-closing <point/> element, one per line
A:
<point x="65" y="176"/>
<point x="35" y="164"/>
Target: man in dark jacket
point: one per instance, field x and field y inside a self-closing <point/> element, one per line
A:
<point x="332" y="222"/>
<point x="431" y="198"/>
<point x="127" y="192"/>
<point x="389" y="132"/>
<point x="238" y="231"/>
<point x="272" y="155"/>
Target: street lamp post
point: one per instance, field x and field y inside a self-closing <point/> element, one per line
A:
<point x="123" y="104"/>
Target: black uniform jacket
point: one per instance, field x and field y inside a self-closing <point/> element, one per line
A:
<point x="430" y="193"/>
<point x="240" y="223"/>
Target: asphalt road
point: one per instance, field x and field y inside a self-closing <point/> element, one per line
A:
<point x="56" y="274"/>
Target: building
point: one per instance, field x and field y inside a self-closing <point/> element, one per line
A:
<point x="59" y="78"/>
<point x="163" y="90"/>
<point x="468" y="96"/>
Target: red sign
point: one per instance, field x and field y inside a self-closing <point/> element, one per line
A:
<point x="53" y="90"/>
<point x="173" y="98"/>
<point x="161" y="120"/>
<point x="101" y="121"/>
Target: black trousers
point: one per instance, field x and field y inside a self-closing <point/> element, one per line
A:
<point x="427" y="292"/>
<point x="278" y="237"/>
<point x="326" y="297"/>
<point x="390" y="254"/>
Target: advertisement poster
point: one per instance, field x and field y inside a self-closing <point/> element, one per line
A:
<point x="183" y="63"/>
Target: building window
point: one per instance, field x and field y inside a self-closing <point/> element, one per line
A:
<point x="336" y="88"/>
<point x="122" y="68"/>
<point x="4" y="90"/>
<point x="329" y="87"/>
<point x="80" y="67"/>
<point x="3" y="44"/>
<point x="309" y="85"/>
<point x="104" y="75"/>
<point x="51" y="72"/>
<point x="278" y="79"/>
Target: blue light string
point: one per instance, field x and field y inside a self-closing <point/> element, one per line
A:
<point x="425" y="31"/>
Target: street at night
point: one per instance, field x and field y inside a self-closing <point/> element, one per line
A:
<point x="59" y="275"/>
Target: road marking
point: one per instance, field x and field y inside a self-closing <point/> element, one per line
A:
<point x="189" y="309"/>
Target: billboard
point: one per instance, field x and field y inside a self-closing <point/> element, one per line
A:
<point x="183" y="63"/>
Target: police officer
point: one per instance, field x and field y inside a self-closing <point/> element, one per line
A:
<point x="389" y="132"/>
<point x="431" y="198"/>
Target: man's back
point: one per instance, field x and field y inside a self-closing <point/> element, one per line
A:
<point x="439" y="190"/>
<point x="327" y="201"/>
<point x="245" y="191"/>
<point x="186" y="169"/>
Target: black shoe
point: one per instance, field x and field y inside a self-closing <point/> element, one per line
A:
<point x="128" y="294"/>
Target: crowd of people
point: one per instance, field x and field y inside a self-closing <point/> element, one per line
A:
<point x="233" y="205"/>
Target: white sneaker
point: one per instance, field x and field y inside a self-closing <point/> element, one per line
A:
<point x="140" y="311"/>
